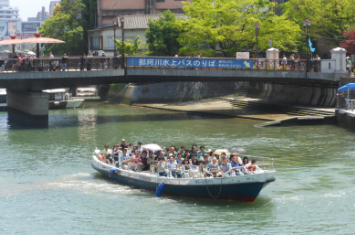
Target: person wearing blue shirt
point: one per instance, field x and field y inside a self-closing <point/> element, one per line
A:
<point x="226" y="168"/>
<point x="194" y="150"/>
<point x="124" y="158"/>
<point x="236" y="166"/>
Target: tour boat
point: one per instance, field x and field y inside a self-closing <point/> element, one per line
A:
<point x="60" y="99"/>
<point x="193" y="184"/>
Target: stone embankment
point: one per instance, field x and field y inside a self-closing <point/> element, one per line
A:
<point x="266" y="114"/>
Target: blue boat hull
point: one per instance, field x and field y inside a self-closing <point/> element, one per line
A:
<point x="241" y="192"/>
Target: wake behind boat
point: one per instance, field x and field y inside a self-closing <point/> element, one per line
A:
<point x="244" y="183"/>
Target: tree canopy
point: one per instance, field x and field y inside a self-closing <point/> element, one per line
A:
<point x="329" y="17"/>
<point x="65" y="25"/>
<point x="225" y="27"/>
<point x="129" y="47"/>
<point x="162" y="35"/>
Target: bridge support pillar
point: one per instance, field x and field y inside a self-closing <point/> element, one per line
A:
<point x="28" y="108"/>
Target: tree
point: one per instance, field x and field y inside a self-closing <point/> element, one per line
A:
<point x="88" y="20"/>
<point x="349" y="44"/>
<point x="329" y="17"/>
<point x="225" y="27"/>
<point x="162" y="35"/>
<point x="65" y="25"/>
<point x="56" y="9"/>
<point x="129" y="47"/>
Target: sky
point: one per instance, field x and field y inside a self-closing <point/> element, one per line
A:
<point x="29" y="8"/>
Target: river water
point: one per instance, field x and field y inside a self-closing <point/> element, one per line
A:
<point x="47" y="185"/>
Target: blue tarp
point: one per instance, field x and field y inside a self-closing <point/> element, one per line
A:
<point x="349" y="86"/>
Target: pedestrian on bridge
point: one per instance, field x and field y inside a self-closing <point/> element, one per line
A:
<point x="51" y="62"/>
<point x="103" y="61"/>
<point x="88" y="62"/>
<point x="64" y="62"/>
<point x="82" y="61"/>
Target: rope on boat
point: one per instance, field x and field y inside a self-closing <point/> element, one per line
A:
<point x="220" y="190"/>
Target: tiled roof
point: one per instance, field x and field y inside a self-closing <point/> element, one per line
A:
<point x="141" y="21"/>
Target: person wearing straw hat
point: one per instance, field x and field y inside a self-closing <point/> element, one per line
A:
<point x="349" y="65"/>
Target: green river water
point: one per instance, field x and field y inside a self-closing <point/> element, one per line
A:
<point x="47" y="185"/>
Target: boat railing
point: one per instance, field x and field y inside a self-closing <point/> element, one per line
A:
<point x="265" y="163"/>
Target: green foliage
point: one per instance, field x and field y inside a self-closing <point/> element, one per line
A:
<point x="225" y="27"/>
<point x="162" y="35"/>
<point x="329" y="17"/>
<point x="88" y="20"/>
<point x="129" y="47"/>
<point x="65" y="26"/>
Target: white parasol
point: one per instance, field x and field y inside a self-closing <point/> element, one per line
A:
<point x="152" y="147"/>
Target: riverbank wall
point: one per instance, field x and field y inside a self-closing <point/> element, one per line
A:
<point x="175" y="91"/>
<point x="345" y="119"/>
<point x="314" y="95"/>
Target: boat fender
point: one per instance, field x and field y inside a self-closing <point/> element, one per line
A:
<point x="159" y="190"/>
<point x="113" y="170"/>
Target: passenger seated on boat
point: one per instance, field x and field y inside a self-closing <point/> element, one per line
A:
<point x="172" y="151"/>
<point x="161" y="167"/>
<point x="187" y="154"/>
<point x="124" y="157"/>
<point x="220" y="158"/>
<point x="206" y="159"/>
<point x="253" y="167"/>
<point x="186" y="165"/>
<point x="202" y="150"/>
<point x="203" y="169"/>
<point x="194" y="150"/>
<point x="194" y="164"/>
<point x="236" y="166"/>
<point x="107" y="154"/>
<point x="130" y="148"/>
<point x="179" y="159"/>
<point x="103" y="154"/>
<point x="213" y="166"/>
<point x="226" y="168"/>
<point x="238" y="158"/>
<point x="143" y="161"/>
<point x="200" y="158"/>
<point x="116" y="151"/>
<point x="245" y="161"/>
<point x="159" y="154"/>
<point x="182" y="150"/>
<point x="173" y="168"/>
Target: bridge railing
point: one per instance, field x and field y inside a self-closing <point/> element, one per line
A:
<point x="55" y="64"/>
<point x="212" y="63"/>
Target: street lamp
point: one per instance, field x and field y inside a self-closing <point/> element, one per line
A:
<point x="307" y="27"/>
<point x="122" y="29"/>
<point x="114" y="24"/>
<point x="257" y="29"/>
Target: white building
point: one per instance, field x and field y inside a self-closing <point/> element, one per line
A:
<point x="101" y="39"/>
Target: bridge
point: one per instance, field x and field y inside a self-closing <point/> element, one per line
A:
<point x="25" y="82"/>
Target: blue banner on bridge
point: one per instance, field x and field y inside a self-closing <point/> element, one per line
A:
<point x="188" y="63"/>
